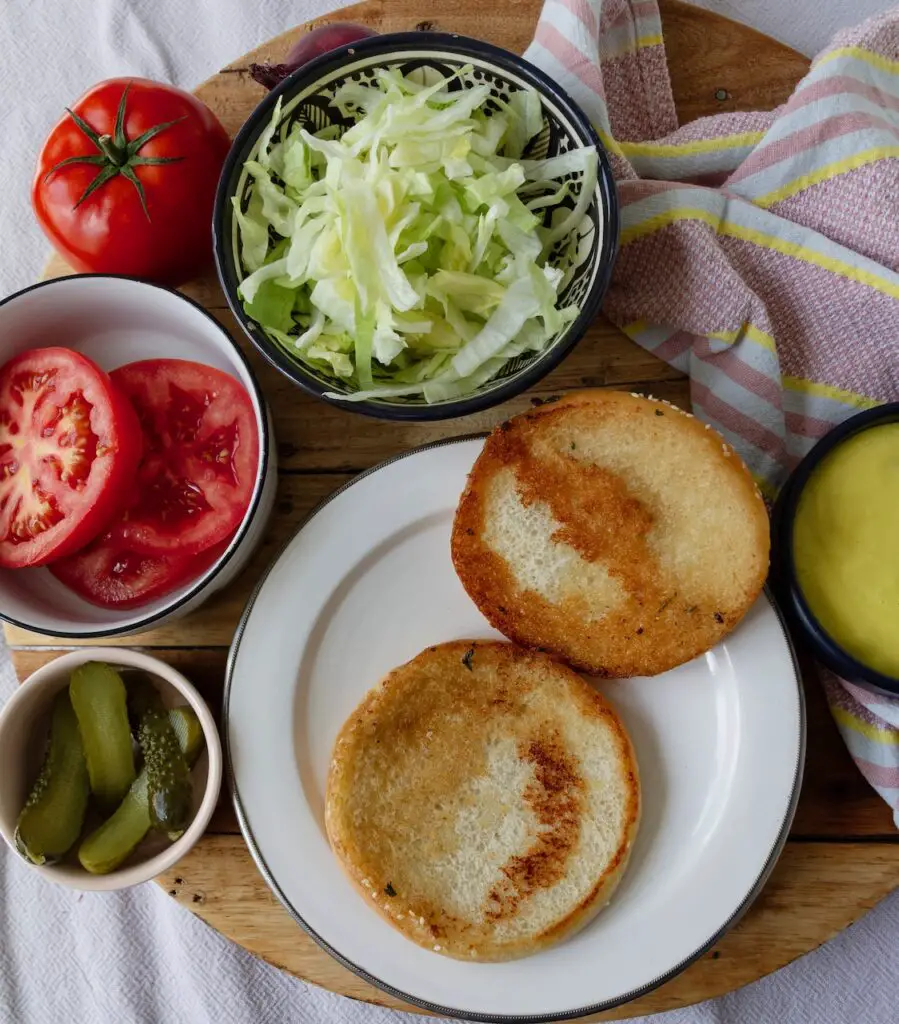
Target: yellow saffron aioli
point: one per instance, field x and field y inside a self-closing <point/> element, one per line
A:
<point x="846" y="546"/>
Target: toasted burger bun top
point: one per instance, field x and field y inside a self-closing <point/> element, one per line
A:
<point x="616" y="531"/>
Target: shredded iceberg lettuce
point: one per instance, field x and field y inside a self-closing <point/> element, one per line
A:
<point x="408" y="256"/>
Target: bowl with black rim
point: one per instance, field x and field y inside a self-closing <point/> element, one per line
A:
<point x="113" y="321"/>
<point x="786" y="586"/>
<point x="306" y="98"/>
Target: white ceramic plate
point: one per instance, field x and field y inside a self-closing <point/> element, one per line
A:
<point x="365" y="585"/>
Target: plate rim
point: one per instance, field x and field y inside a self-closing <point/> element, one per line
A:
<point x="425" y="1004"/>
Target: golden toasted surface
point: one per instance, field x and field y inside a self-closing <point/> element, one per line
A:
<point x="484" y="799"/>
<point x="616" y="531"/>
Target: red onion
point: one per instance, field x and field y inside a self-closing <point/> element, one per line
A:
<point x="307" y="47"/>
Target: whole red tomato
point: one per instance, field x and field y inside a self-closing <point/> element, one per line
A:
<point x="126" y="181"/>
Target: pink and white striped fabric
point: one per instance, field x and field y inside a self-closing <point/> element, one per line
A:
<point x="775" y="282"/>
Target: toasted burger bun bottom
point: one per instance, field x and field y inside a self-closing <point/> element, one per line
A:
<point x="484" y="799"/>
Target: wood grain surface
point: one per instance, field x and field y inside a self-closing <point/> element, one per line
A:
<point x="842" y="856"/>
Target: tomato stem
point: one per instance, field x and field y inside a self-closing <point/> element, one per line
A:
<point x="117" y="154"/>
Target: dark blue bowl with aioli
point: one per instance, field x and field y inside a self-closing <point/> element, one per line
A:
<point x="835" y="564"/>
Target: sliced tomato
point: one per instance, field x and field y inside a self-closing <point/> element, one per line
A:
<point x="201" y="454"/>
<point x="111" y="574"/>
<point x="70" y="445"/>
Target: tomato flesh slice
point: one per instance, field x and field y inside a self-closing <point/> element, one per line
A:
<point x="202" y="453"/>
<point x="111" y="574"/>
<point x="70" y="444"/>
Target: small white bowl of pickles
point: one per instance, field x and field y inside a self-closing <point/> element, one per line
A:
<point x="110" y="768"/>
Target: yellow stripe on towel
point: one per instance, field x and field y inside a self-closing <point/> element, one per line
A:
<point x="609" y="142"/>
<point x="750" y="331"/>
<point x="675" y="149"/>
<point x="825" y="173"/>
<point x="731" y="230"/>
<point x="870" y="732"/>
<point x="876" y="60"/>
<point x="816" y="390"/>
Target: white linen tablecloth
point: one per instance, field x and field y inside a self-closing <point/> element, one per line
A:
<point x="137" y="957"/>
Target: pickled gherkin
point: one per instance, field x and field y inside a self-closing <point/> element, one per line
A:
<point x="100" y="702"/>
<point x="51" y="820"/>
<point x="115" y="840"/>
<point x="169" y="788"/>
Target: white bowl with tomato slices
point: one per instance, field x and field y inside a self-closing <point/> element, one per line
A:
<point x="137" y="465"/>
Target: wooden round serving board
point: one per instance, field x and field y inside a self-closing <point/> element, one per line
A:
<point x="843" y="853"/>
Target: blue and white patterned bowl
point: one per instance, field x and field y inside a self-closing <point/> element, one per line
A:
<point x="306" y="97"/>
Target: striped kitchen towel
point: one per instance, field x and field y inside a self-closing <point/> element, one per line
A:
<point x="759" y="251"/>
